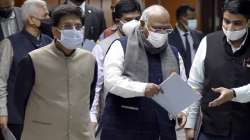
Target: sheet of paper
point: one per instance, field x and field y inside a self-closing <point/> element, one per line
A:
<point x="7" y="134"/>
<point x="175" y="95"/>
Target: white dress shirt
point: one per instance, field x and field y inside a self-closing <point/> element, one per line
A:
<point x="99" y="54"/>
<point x="82" y="6"/>
<point x="99" y="51"/>
<point x="190" y="40"/>
<point x="196" y="81"/>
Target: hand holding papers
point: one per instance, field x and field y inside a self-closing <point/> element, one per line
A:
<point x="7" y="134"/>
<point x="175" y="95"/>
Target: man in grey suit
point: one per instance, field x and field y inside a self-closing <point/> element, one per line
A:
<point x="94" y="20"/>
<point x="10" y="19"/>
<point x="184" y="37"/>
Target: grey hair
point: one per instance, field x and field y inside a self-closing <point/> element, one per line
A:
<point x="150" y="10"/>
<point x="145" y="15"/>
<point x="29" y="8"/>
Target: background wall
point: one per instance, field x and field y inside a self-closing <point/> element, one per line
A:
<point x="208" y="11"/>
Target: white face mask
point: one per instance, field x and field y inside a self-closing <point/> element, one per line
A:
<point x="71" y="39"/>
<point x="129" y="27"/>
<point x="234" y="35"/>
<point x="157" y="39"/>
<point x="192" y="24"/>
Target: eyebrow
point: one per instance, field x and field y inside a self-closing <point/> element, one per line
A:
<point x="231" y="20"/>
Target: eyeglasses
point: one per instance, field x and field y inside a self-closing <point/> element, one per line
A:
<point x="70" y="27"/>
<point x="163" y="30"/>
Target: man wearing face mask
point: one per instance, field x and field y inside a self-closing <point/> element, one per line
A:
<point x="10" y="19"/>
<point x="221" y="71"/>
<point x="54" y="83"/>
<point x="126" y="14"/>
<point x="93" y="18"/>
<point x="185" y="37"/>
<point x="132" y="74"/>
<point x="14" y="48"/>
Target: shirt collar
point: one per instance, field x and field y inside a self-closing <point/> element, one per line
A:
<point x="182" y="33"/>
<point x="83" y="7"/>
<point x="12" y="16"/>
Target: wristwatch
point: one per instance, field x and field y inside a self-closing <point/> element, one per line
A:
<point x="234" y="93"/>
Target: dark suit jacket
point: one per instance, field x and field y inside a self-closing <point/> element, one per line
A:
<point x="19" y="21"/>
<point x="94" y="22"/>
<point x="175" y="40"/>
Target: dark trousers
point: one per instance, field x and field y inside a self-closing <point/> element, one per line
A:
<point x="16" y="129"/>
<point x="137" y="118"/>
<point x="204" y="136"/>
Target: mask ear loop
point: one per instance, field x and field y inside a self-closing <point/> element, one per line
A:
<point x="248" y="23"/>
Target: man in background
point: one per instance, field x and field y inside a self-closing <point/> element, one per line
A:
<point x="94" y="20"/>
<point x="185" y="37"/>
<point x="10" y="19"/>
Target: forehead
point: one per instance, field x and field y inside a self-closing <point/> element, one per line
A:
<point x="69" y="19"/>
<point x="131" y="15"/>
<point x="233" y="17"/>
<point x="190" y="14"/>
<point x="159" y="19"/>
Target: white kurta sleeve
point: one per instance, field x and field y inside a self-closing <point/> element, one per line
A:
<point x="114" y="82"/>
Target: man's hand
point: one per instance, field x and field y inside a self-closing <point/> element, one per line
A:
<point x="189" y="132"/>
<point x="151" y="90"/>
<point x="3" y="121"/>
<point x="226" y="95"/>
<point x="182" y="119"/>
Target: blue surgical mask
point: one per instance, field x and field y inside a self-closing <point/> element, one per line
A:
<point x="192" y="24"/>
<point x="71" y="39"/>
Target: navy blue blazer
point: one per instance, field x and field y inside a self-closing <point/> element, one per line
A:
<point x="175" y="40"/>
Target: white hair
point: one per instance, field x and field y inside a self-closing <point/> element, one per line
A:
<point x="145" y="15"/>
<point x="30" y="7"/>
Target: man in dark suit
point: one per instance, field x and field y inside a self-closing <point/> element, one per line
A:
<point x="94" y="20"/>
<point x="184" y="37"/>
<point x="10" y="19"/>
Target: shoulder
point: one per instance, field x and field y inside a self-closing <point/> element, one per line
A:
<point x="5" y="44"/>
<point x="173" y="35"/>
<point x="84" y="53"/>
<point x="215" y="35"/>
<point x="46" y="37"/>
<point x="41" y="51"/>
<point x="197" y="33"/>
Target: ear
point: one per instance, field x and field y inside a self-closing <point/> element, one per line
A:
<point x="142" y="23"/>
<point x="56" y="33"/>
<point x="143" y="28"/>
<point x="30" y="20"/>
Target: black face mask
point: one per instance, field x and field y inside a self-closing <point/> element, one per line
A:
<point x="46" y="27"/>
<point x="6" y="12"/>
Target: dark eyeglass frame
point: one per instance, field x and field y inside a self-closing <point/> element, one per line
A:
<point x="162" y="30"/>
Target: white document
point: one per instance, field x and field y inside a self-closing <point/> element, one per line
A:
<point x="175" y="95"/>
<point x="7" y="134"/>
